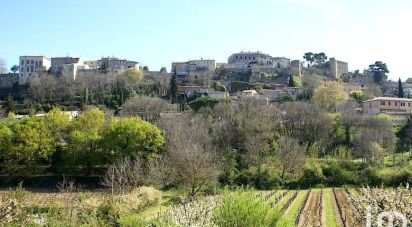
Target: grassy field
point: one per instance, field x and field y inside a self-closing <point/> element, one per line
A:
<point x="289" y="217"/>
<point x="331" y="219"/>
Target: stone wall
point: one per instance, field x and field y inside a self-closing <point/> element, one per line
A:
<point x="9" y="80"/>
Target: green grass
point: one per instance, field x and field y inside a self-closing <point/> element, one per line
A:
<point x="399" y="158"/>
<point x="167" y="198"/>
<point x="288" y="219"/>
<point x="241" y="208"/>
<point x="328" y="206"/>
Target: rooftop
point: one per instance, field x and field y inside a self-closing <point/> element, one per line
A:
<point x="248" y="52"/>
<point x="388" y="99"/>
<point x="42" y="56"/>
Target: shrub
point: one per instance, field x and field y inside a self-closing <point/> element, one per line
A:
<point x="341" y="173"/>
<point x="137" y="199"/>
<point x="387" y="177"/>
<point x="312" y="174"/>
<point x="241" y="208"/>
<point x="264" y="179"/>
<point x="204" y="102"/>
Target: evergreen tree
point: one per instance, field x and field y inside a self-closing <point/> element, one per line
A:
<point x="291" y="82"/>
<point x="400" y="89"/>
<point x="173" y="88"/>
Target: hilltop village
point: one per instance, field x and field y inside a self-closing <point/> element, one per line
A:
<point x="245" y="74"/>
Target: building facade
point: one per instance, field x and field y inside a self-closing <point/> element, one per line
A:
<point x="280" y="62"/>
<point x="337" y="68"/>
<point x="116" y="65"/>
<point x="93" y="64"/>
<point x="31" y="66"/>
<point x="58" y="63"/>
<point x="184" y="68"/>
<point x="385" y="105"/>
<point x="247" y="59"/>
<point x="399" y="109"/>
<point x="351" y="87"/>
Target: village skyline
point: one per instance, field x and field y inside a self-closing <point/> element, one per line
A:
<point x="356" y="32"/>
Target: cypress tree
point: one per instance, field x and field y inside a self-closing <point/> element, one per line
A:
<point x="173" y="88"/>
<point x="400" y="89"/>
<point x="291" y="82"/>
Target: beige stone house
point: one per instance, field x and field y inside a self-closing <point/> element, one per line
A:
<point x="399" y="109"/>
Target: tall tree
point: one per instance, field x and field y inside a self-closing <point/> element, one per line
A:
<point x="379" y="70"/>
<point x="329" y="94"/>
<point x="163" y="70"/>
<point x="320" y="58"/>
<point x="14" y="68"/>
<point x="173" y="88"/>
<point x="291" y="82"/>
<point x="133" y="137"/>
<point x="309" y="57"/>
<point x="400" y="89"/>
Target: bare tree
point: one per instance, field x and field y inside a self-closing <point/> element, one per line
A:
<point x="306" y="123"/>
<point x="68" y="189"/>
<point x="43" y="88"/>
<point x="349" y="119"/>
<point x="124" y="175"/>
<point x="148" y="108"/>
<point x="191" y="153"/>
<point x="291" y="156"/>
<point x="374" y="137"/>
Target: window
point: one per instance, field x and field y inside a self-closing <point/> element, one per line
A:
<point x="389" y="103"/>
<point x="32" y="69"/>
<point x="236" y="57"/>
<point x="28" y="62"/>
<point x="240" y="57"/>
<point x="396" y="103"/>
<point x="22" y="62"/>
<point x="409" y="104"/>
<point x="28" y="69"/>
<point x="382" y="103"/>
<point x="402" y="104"/>
<point x="32" y="61"/>
<point x="253" y="58"/>
<point x="40" y="62"/>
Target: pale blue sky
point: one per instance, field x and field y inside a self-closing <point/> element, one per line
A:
<point x="157" y="32"/>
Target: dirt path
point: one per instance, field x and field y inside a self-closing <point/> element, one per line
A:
<point x="311" y="215"/>
<point x="346" y="209"/>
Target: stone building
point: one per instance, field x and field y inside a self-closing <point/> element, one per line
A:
<point x="57" y="64"/>
<point x="399" y="109"/>
<point x="337" y="68"/>
<point x="296" y="68"/>
<point x="185" y="68"/>
<point x="280" y="62"/>
<point x="351" y="87"/>
<point x="92" y="64"/>
<point x="31" y="66"/>
<point x="116" y="65"/>
<point x="247" y="59"/>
